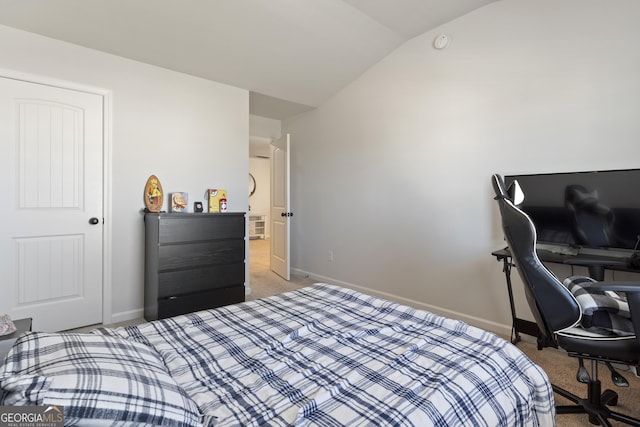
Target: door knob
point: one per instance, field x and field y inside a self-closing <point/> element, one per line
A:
<point x="94" y="220"/>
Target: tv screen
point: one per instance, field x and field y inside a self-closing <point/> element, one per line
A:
<point x="598" y="209"/>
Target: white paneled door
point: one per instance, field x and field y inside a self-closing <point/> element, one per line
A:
<point x="280" y="207"/>
<point x="51" y="227"/>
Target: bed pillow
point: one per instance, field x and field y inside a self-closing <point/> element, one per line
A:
<point x="94" y="377"/>
<point x="602" y="311"/>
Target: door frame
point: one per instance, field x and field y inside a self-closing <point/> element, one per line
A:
<point x="107" y="136"/>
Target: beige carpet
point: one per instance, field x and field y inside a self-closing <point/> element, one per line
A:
<point x="265" y="282"/>
<point x="560" y="368"/>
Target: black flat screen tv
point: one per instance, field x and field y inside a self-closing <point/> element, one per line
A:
<point x="597" y="209"/>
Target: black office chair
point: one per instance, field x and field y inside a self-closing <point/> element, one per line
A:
<point x="558" y="315"/>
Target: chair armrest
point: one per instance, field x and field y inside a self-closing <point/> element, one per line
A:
<point x="632" y="290"/>
<point x="616" y="286"/>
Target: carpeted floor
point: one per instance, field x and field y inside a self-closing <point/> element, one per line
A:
<point x="560" y="368"/>
<point x="265" y="282"/>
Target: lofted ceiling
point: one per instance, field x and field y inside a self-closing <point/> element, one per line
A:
<point x="290" y="54"/>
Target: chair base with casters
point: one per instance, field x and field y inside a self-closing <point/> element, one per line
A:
<point x="597" y="402"/>
<point x="588" y="319"/>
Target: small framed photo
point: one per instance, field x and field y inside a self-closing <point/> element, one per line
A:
<point x="179" y="202"/>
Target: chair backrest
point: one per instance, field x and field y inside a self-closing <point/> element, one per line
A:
<point x="552" y="305"/>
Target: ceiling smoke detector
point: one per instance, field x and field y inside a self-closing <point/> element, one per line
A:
<point x="441" y="41"/>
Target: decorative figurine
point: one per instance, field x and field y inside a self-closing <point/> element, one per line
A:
<point x="153" y="196"/>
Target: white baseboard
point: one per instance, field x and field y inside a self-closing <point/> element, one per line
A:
<point x="487" y="325"/>
<point x="125" y="316"/>
<point x="496" y="328"/>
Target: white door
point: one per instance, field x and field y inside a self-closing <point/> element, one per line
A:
<point x="51" y="228"/>
<point x="280" y="207"/>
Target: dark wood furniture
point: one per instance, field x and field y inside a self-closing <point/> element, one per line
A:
<point x="7" y="341"/>
<point x="193" y="262"/>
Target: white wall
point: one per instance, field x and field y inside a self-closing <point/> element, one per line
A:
<point x="393" y="173"/>
<point x="192" y="133"/>
<point x="264" y="127"/>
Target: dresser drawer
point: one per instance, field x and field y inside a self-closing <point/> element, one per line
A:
<point x="173" y="283"/>
<point x="200" y="227"/>
<point x="189" y="255"/>
<point x="200" y="301"/>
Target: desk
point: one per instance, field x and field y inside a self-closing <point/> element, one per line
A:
<point x="596" y="264"/>
<point x="517" y="325"/>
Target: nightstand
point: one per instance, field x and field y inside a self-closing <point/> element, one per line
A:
<point x="6" y="341"/>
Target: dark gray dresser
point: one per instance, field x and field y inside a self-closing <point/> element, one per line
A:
<point x="192" y="262"/>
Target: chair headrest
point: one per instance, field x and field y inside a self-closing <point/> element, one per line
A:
<point x="513" y="193"/>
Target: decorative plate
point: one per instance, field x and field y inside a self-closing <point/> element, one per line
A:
<point x="153" y="196"/>
<point x="252" y="185"/>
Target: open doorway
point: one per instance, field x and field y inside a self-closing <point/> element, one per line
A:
<point x="258" y="215"/>
<point x="259" y="188"/>
<point x="264" y="281"/>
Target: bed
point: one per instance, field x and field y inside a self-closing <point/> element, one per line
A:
<point x="321" y="355"/>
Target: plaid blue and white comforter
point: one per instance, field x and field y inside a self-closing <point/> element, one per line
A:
<point x="330" y="356"/>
